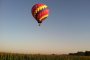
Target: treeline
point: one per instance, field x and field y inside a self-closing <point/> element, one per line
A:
<point x="86" y="53"/>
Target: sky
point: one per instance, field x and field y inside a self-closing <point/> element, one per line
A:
<point x="66" y="30"/>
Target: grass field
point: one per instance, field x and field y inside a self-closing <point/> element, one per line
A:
<point x="9" y="56"/>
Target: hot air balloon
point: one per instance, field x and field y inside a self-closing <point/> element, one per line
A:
<point x="40" y="12"/>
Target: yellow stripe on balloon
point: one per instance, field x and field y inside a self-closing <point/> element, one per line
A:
<point x="43" y="17"/>
<point x="39" y="9"/>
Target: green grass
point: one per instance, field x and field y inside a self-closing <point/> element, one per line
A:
<point x="9" y="56"/>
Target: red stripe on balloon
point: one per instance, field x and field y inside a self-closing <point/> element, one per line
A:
<point x="43" y="13"/>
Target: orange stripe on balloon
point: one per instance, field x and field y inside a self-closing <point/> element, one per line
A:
<point x="36" y="6"/>
<point x="43" y="17"/>
<point x="39" y="9"/>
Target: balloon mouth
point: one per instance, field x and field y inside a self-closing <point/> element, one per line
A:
<point x="39" y="21"/>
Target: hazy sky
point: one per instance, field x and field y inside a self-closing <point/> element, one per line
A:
<point x="67" y="29"/>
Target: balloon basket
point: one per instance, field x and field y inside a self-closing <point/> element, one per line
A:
<point x="39" y="24"/>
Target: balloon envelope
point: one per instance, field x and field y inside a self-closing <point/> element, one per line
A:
<point x="40" y="12"/>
